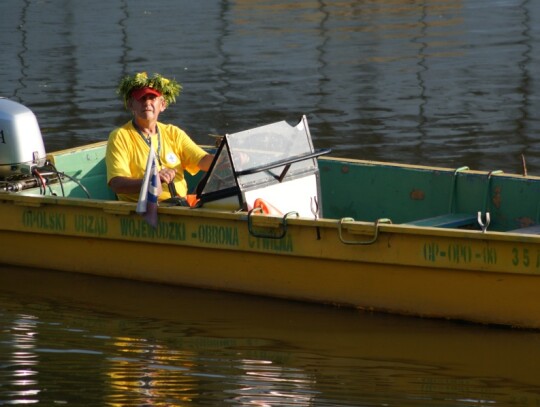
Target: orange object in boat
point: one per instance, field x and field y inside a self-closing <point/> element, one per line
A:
<point x="266" y="207"/>
<point x="192" y="200"/>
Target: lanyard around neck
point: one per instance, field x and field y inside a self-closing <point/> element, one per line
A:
<point x="149" y="139"/>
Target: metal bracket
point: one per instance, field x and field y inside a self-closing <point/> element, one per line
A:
<point x="356" y="242"/>
<point x="483" y="225"/>
<point x="282" y="225"/>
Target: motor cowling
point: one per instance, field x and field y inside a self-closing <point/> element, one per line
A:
<point x="21" y="143"/>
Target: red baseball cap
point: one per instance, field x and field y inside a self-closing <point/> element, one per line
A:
<point x="140" y="92"/>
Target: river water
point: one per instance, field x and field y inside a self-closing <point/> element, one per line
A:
<point x="433" y="82"/>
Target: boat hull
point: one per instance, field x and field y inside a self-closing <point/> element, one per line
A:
<point x="465" y="275"/>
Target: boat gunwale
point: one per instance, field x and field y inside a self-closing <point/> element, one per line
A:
<point x="355" y="227"/>
<point x="373" y="163"/>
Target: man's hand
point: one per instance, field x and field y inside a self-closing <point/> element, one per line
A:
<point x="167" y="175"/>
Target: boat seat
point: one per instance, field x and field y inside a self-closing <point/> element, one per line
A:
<point x="529" y="230"/>
<point x="449" y="220"/>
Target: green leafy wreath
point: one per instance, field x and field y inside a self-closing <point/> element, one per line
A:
<point x="169" y="88"/>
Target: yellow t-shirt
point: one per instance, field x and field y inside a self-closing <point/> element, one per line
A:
<point x="127" y="154"/>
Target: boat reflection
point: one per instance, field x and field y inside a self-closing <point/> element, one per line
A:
<point x="145" y="344"/>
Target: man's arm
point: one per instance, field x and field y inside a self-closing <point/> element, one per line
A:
<point x="125" y="185"/>
<point x="205" y="162"/>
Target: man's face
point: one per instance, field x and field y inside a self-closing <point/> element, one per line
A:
<point x="147" y="107"/>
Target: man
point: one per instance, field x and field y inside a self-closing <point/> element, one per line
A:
<point x="128" y="146"/>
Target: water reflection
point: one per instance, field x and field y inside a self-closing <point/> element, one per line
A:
<point x="143" y="344"/>
<point x="147" y="373"/>
<point x="195" y="369"/>
<point x="21" y="360"/>
<point x="23" y="49"/>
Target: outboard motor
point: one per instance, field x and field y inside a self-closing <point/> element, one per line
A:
<point x="21" y="144"/>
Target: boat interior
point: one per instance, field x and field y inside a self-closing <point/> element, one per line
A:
<point x="362" y="190"/>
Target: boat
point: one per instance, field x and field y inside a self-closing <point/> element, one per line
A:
<point x="412" y="240"/>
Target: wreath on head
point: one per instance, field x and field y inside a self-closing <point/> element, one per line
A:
<point x="169" y="88"/>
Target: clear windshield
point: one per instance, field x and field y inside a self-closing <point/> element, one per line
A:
<point x="243" y="154"/>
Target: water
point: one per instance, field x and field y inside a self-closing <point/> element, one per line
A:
<point x="84" y="340"/>
<point x="438" y="82"/>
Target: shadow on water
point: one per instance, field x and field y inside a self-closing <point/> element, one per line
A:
<point x="143" y="343"/>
